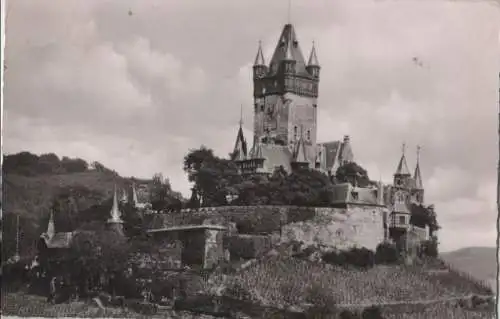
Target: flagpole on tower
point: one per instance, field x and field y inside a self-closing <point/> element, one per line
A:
<point x="289" y="12"/>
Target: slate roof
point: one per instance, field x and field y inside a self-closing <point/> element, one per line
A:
<point x="240" y="146"/>
<point x="331" y="149"/>
<point x="275" y="156"/>
<point x="59" y="240"/>
<point x="402" y="168"/>
<point x="288" y="45"/>
<point x="313" y="59"/>
<point x="300" y="153"/>
<point x="417" y="177"/>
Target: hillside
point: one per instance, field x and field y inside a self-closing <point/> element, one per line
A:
<point x="32" y="184"/>
<point x="480" y="262"/>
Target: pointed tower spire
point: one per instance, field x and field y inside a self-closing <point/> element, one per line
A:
<point x="313" y="59"/>
<point x="402" y="168"/>
<point x="300" y="153"/>
<point x="259" y="58"/>
<point x="51" y="229"/>
<point x="259" y="66"/>
<point x="135" y="201"/>
<point x="418" y="176"/>
<point x="240" y="146"/>
<point x="241" y="115"/>
<point x="289" y="51"/>
<point x="115" y="212"/>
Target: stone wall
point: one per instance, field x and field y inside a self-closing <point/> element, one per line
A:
<point x="265" y="219"/>
<point x="214" y="248"/>
<point x="343" y="227"/>
<point x="357" y="226"/>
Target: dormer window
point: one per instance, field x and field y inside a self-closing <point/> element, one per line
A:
<point x="354" y="195"/>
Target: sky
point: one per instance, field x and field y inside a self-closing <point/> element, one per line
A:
<point x="136" y="84"/>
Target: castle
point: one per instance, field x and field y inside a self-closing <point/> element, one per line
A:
<point x="285" y="134"/>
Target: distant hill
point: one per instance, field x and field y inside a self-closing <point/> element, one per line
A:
<point x="480" y="262"/>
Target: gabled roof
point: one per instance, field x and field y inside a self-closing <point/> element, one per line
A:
<point x="59" y="240"/>
<point x="288" y="47"/>
<point x="331" y="149"/>
<point x="276" y="156"/>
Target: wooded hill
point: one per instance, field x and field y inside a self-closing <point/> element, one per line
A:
<point x="34" y="185"/>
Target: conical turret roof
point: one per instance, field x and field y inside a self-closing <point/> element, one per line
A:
<point x="115" y="212"/>
<point x="313" y="59"/>
<point x="259" y="58"/>
<point x="417" y="176"/>
<point x="402" y="168"/>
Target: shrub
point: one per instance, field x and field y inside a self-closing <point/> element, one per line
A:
<point x="358" y="257"/>
<point x="323" y="303"/>
<point x="248" y="247"/>
<point x="237" y="291"/>
<point x="348" y="314"/>
<point x="430" y="248"/>
<point x="386" y="253"/>
<point x="372" y="312"/>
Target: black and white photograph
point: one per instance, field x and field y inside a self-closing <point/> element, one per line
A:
<point x="250" y="159"/>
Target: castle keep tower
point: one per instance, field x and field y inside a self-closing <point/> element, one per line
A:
<point x="285" y="95"/>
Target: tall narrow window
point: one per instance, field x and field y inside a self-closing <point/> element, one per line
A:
<point x="295" y="132"/>
<point x="402" y="220"/>
<point x="308" y="135"/>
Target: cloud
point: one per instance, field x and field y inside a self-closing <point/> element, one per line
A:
<point x="136" y="84"/>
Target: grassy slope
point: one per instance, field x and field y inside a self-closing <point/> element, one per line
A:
<point x="480" y="262"/>
<point x="32" y="196"/>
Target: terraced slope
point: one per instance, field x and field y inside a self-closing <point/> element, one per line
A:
<point x="282" y="280"/>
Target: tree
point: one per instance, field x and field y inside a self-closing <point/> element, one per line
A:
<point x="386" y="253"/>
<point x="213" y="177"/>
<point x="422" y="216"/>
<point x="430" y="248"/>
<point x="97" y="252"/>
<point x="354" y="174"/>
